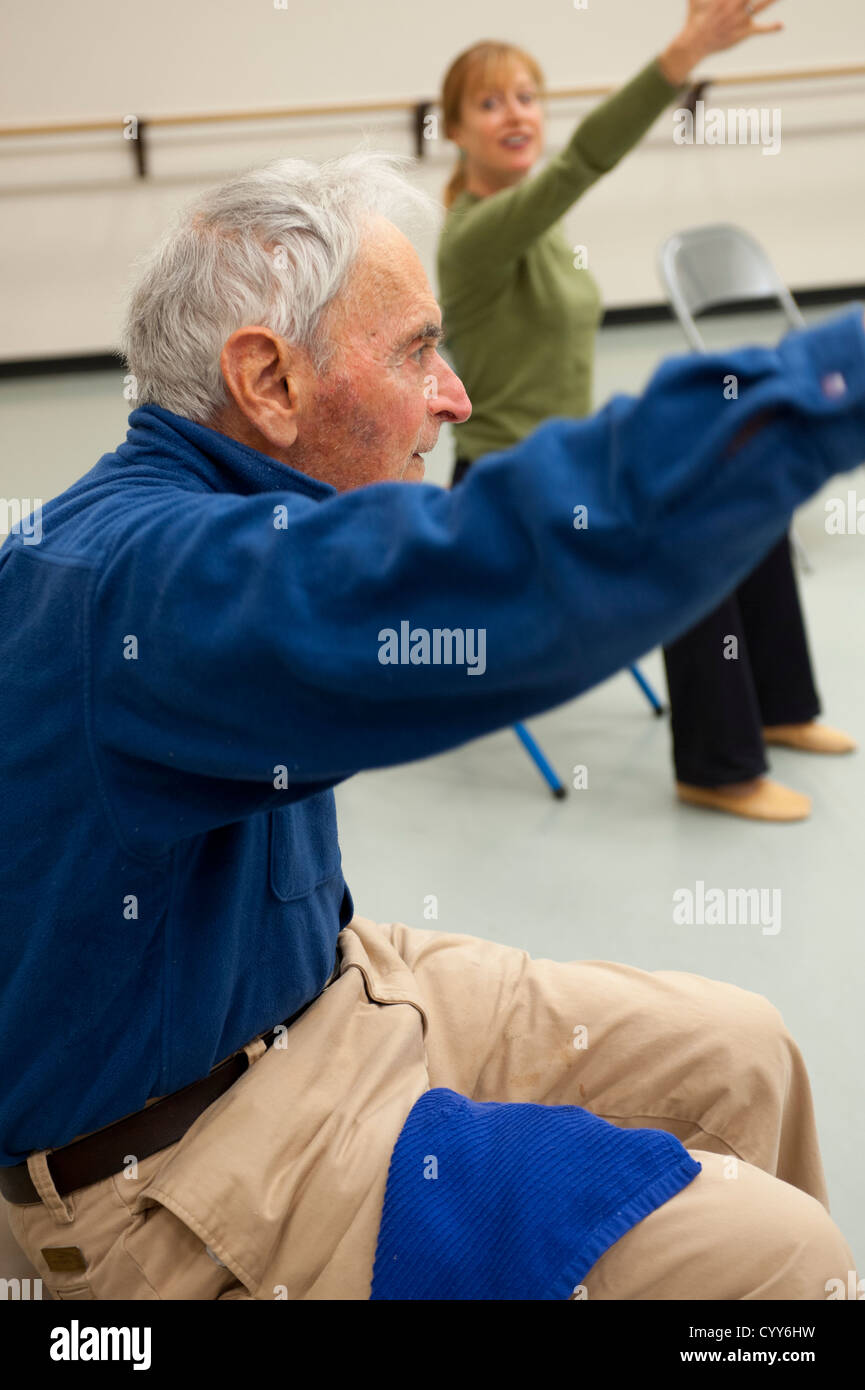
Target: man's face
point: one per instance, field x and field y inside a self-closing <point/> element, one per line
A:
<point x="386" y="392"/>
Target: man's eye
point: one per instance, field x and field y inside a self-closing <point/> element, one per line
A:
<point x="427" y="347"/>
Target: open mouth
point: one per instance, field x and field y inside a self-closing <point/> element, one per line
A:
<point x="515" y="142"/>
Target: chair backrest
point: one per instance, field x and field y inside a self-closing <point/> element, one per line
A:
<point x="706" y="267"/>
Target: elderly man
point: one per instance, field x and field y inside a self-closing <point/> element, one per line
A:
<point x="221" y="1083"/>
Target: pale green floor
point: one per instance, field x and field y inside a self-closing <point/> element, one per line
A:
<point x="593" y="877"/>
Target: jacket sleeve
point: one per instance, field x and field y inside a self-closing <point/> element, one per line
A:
<point x="487" y="237"/>
<point x="260" y="646"/>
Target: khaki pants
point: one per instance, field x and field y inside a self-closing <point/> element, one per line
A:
<point x="276" y="1190"/>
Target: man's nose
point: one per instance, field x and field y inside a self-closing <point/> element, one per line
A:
<point x="447" y="397"/>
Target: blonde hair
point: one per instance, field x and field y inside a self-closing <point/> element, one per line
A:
<point x="478" y="66"/>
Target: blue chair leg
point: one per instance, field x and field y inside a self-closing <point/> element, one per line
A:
<point x="647" y="689"/>
<point x="534" y="752"/>
<point x="547" y="772"/>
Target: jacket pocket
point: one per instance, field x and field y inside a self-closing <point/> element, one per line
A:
<point x="304" y="848"/>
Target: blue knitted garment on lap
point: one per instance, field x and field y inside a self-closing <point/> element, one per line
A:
<point x="487" y="1200"/>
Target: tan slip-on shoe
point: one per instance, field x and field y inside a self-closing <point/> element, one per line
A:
<point x="769" y="801"/>
<point x="810" y="738"/>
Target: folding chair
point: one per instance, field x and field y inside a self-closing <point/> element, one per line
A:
<point x="719" y="264"/>
<point x="703" y="268"/>
<point x="546" y="770"/>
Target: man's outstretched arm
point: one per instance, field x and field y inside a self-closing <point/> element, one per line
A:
<point x="269" y="645"/>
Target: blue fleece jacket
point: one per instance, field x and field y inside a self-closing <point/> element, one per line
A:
<point x="192" y="657"/>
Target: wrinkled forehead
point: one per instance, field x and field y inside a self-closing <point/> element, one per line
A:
<point x="387" y="282"/>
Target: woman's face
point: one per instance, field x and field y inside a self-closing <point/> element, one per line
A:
<point x="501" y="128"/>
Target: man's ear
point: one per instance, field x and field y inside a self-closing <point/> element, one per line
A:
<point x="264" y="377"/>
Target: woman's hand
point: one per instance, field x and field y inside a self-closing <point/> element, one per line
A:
<point x="711" y="27"/>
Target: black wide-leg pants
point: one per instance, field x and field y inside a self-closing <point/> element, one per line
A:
<point x="724" y="692"/>
<point x="720" y="702"/>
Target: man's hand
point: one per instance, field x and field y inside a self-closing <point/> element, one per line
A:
<point x="711" y="27"/>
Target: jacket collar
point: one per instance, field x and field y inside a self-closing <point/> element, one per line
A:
<point x="159" y="436"/>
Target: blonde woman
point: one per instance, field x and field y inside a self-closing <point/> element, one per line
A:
<point x="521" y="318"/>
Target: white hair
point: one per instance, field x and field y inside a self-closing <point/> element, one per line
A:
<point x="273" y="246"/>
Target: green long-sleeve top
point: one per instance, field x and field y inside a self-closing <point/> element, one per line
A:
<point x="520" y="318"/>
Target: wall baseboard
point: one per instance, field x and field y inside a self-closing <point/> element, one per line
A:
<point x="806" y="299"/>
<point x="107" y="361"/>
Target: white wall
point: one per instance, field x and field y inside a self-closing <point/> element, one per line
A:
<point x="72" y="217"/>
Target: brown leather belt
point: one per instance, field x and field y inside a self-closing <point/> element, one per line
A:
<point x="143" y="1133"/>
